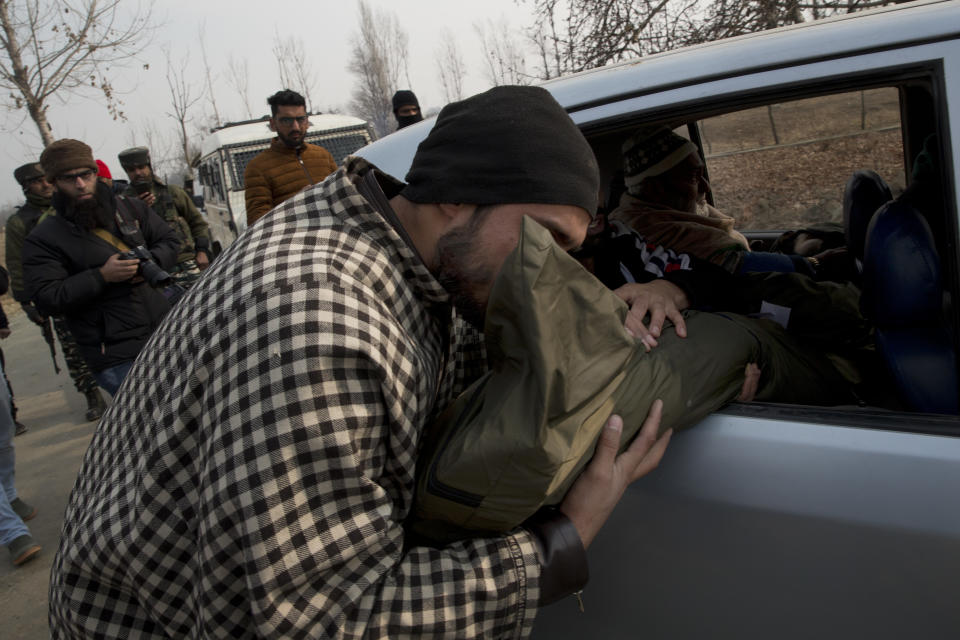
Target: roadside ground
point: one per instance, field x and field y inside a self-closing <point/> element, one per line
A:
<point x="48" y="458"/>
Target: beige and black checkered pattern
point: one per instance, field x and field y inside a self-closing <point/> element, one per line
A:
<point x="252" y="476"/>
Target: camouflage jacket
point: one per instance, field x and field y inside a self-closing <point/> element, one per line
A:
<point x="19" y="226"/>
<point x="174" y="205"/>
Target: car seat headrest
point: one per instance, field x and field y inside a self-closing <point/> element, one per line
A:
<point x="902" y="280"/>
<point x="865" y="192"/>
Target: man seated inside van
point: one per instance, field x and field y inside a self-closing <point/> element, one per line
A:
<point x="665" y="201"/>
<point x="659" y="281"/>
<point x="662" y="282"/>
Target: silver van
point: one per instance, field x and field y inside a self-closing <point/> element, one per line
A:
<point x="773" y="520"/>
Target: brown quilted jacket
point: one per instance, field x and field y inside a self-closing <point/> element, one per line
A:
<point x="279" y="172"/>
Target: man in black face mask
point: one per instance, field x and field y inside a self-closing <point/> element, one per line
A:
<point x="406" y="109"/>
<point x="74" y="263"/>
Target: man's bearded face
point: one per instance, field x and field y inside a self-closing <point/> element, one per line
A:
<point x="461" y="270"/>
<point x="40" y="187"/>
<point x="139" y="172"/>
<point x="469" y="256"/>
<point x="89" y="213"/>
<point x="291" y="125"/>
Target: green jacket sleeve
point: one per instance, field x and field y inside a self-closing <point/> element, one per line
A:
<point x="198" y="226"/>
<point x="16" y="233"/>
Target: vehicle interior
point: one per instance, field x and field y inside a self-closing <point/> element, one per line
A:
<point x="784" y="160"/>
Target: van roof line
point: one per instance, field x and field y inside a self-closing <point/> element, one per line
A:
<point x="262" y="118"/>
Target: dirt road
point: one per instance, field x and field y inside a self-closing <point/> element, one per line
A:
<point x="48" y="457"/>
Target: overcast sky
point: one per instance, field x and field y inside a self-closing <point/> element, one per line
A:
<point x="246" y="29"/>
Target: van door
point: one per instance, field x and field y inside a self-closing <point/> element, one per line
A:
<point x="786" y="521"/>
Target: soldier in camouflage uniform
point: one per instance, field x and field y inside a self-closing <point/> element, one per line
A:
<point x="38" y="191"/>
<point x="174" y="205"/>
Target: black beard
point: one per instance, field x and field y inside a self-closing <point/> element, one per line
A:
<point x="458" y="269"/>
<point x="290" y="143"/>
<point x="89" y="214"/>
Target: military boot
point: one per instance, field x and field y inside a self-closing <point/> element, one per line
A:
<point x="95" y="405"/>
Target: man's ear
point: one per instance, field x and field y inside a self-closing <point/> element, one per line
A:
<point x="272" y="124"/>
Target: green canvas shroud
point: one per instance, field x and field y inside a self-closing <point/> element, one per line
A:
<point x="561" y="363"/>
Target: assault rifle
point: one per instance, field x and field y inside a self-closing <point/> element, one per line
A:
<point x="47" y="327"/>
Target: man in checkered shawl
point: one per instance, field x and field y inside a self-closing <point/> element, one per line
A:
<point x="254" y="473"/>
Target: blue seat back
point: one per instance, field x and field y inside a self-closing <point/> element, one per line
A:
<point x="903" y="295"/>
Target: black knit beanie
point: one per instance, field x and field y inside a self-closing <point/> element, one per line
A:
<point x="509" y="145"/>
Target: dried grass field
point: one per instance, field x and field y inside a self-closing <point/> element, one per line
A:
<point x="785" y="166"/>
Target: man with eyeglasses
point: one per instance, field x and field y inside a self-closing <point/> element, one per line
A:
<point x="290" y="164"/>
<point x="38" y="191"/>
<point x="76" y="263"/>
<point x="174" y="205"/>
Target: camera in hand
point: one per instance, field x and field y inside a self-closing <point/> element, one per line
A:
<point x="148" y="269"/>
<point x="141" y="186"/>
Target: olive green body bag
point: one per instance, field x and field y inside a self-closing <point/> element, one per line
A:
<point x="561" y="363"/>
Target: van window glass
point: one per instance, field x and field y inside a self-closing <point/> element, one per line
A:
<point x="341" y="145"/>
<point x="210" y="178"/>
<point x="218" y="182"/>
<point x="784" y="165"/>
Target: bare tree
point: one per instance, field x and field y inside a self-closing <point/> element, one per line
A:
<point x="451" y="67"/>
<point x="208" y="85"/>
<point x="182" y="99"/>
<point x="583" y="34"/>
<point x="503" y="52"/>
<point x="574" y="35"/>
<point x="164" y="155"/>
<point x="61" y="47"/>
<point x="238" y="77"/>
<point x="279" y="55"/>
<point x="379" y="61"/>
<point x="296" y="72"/>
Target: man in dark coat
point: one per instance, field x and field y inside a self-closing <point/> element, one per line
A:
<point x="38" y="191"/>
<point x="75" y="265"/>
